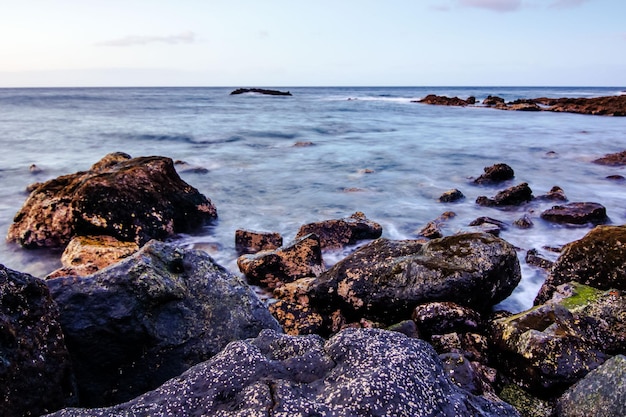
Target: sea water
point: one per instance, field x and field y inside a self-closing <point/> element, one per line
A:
<point x="274" y="163"/>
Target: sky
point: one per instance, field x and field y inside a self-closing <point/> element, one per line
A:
<point x="273" y="43"/>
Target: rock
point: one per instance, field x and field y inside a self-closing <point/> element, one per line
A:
<point x="549" y="347"/>
<point x="451" y="196"/>
<point x="445" y="101"/>
<point x="85" y="255"/>
<point x="523" y="106"/>
<point x="359" y="372"/>
<point x="602" y="393"/>
<point x="603" y="106"/>
<point x="576" y="213"/>
<point x="134" y="325"/>
<point x="613" y="159"/>
<point x="493" y="101"/>
<point x="295" y="318"/>
<point x="533" y="258"/>
<point x="432" y="230"/>
<point x="526" y="404"/>
<point x="616" y="178"/>
<point x="524" y="222"/>
<point x="495" y="174"/>
<point x="512" y="196"/>
<point x="271" y="269"/>
<point x="35" y="370"/>
<point x="488" y="220"/>
<point x="263" y="91"/>
<point x="598" y="260"/>
<point x="133" y="200"/>
<point x="445" y="317"/>
<point x="556" y="193"/>
<point x="341" y="232"/>
<point x="386" y="279"/>
<point x="248" y="241"/>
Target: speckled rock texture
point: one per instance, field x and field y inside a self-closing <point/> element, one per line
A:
<point x="338" y="233"/>
<point x="35" y="371"/>
<point x="386" y="279"/>
<point x="358" y="372"/>
<point x="272" y="269"/>
<point x="134" y="325"/>
<point x="131" y="199"/>
<point x="250" y="241"/>
<point x="602" y="393"/>
<point x="550" y="347"/>
<point x="598" y="260"/>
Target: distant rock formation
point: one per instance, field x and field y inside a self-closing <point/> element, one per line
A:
<point x="260" y="91"/>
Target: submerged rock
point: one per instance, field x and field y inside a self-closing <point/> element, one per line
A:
<point x="133" y="200"/>
<point x="576" y="213"/>
<point x="495" y="174"/>
<point x="598" y="260"/>
<point x="35" y="370"/>
<point x="365" y="372"/>
<point x="386" y="279"/>
<point x="512" y="196"/>
<point x="613" y="159"/>
<point x="149" y="318"/>
<point x="341" y="232"/>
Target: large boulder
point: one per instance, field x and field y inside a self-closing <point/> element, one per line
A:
<point x="386" y="279"/>
<point x="598" y="260"/>
<point x="365" y="372"/>
<point x="341" y="232"/>
<point x="133" y="200"/>
<point x="602" y="393"/>
<point x="549" y="347"/>
<point x="35" y="371"/>
<point x="146" y="319"/>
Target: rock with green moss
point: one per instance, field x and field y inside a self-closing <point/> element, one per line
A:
<point x="134" y="325"/>
<point x="386" y="279"/>
<point x="602" y="393"/>
<point x="526" y="404"/>
<point x="550" y="347"/>
<point x="598" y="260"/>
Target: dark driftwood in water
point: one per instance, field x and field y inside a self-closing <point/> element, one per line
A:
<point x="261" y="91"/>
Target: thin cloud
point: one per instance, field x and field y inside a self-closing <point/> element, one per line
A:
<point x="566" y="4"/>
<point x="495" y="5"/>
<point x="181" y="38"/>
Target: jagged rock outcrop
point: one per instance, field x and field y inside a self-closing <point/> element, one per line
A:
<point x="35" y="370"/>
<point x="131" y="199"/>
<point x="365" y="372"/>
<point x="134" y="325"/>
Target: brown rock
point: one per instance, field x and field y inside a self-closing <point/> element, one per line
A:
<point x="495" y="174"/>
<point x="445" y="101"/>
<point x="493" y="101"/>
<point x="556" y="193"/>
<point x="524" y="222"/>
<point x="445" y="317"/>
<point x="613" y="159"/>
<point x="451" y="196"/>
<point x="576" y="213"/>
<point x="342" y="232"/>
<point x="296" y="319"/>
<point x="248" y="241"/>
<point x="512" y="196"/>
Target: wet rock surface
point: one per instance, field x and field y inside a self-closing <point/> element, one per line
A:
<point x="131" y="199"/>
<point x="35" y="370"/>
<point x="614" y="159"/>
<point x="495" y="174"/>
<point x="446" y="101"/>
<point x="249" y="241"/>
<point x="149" y="318"/>
<point x="341" y="232"/>
<point x="576" y="213"/>
<point x="358" y="372"/>
<point x="512" y="196"/>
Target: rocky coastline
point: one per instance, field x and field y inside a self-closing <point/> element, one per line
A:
<point x="134" y="324"/>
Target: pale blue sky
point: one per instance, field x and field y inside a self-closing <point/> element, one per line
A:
<point x="322" y="42"/>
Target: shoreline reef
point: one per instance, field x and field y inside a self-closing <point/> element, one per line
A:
<point x="134" y="324"/>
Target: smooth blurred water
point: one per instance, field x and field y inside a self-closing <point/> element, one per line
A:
<point x="259" y="180"/>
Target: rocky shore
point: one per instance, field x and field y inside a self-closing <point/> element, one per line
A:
<point x="134" y="324"/>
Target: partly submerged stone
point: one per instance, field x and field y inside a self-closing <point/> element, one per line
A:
<point x="598" y="259"/>
<point x="576" y="213"/>
<point x="35" y="370"/>
<point x="512" y="196"/>
<point x="613" y="159"/>
<point x="386" y="279"/>
<point x="341" y="232"/>
<point x="358" y="372"/>
<point x="451" y="196"/>
<point x="134" y="325"/>
<point x="495" y="174"/>
<point x="131" y="199"/>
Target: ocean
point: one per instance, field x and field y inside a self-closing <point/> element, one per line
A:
<point x="273" y="163"/>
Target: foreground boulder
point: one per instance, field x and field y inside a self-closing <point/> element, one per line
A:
<point x="598" y="260"/>
<point x="133" y="200"/>
<point x="134" y="325"/>
<point x="341" y="232"/>
<point x="35" y="371"/>
<point x="355" y="373"/>
<point x="386" y="279"/>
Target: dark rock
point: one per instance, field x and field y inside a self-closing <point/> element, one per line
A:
<point x="342" y="232"/>
<point x="493" y="101"/>
<point x="248" y="241"/>
<point x="603" y="106"/>
<point x="471" y="100"/>
<point x="533" y="258"/>
<point x="303" y="144"/>
<point x="386" y="279"/>
<point x="488" y="220"/>
<point x="526" y="404"/>
<point x="295" y="318"/>
<point x="359" y="372"/>
<point x="134" y="325"/>
<point x="445" y="317"/>
<point x="406" y="327"/>
<point x="524" y="222"/>
<point x="271" y="269"/>
<point x="613" y="159"/>
<point x="451" y="196"/>
<point x="523" y="106"/>
<point x="35" y="371"/>
<point x="576" y="213"/>
<point x="495" y="174"/>
<point x="444" y="101"/>
<point x="556" y="193"/>
<point x="264" y="91"/>
<point x="432" y="230"/>
<point x="602" y="393"/>
<point x="598" y="260"/>
<point x="512" y="196"/>
<point x="618" y="178"/>
<point x="130" y="199"/>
